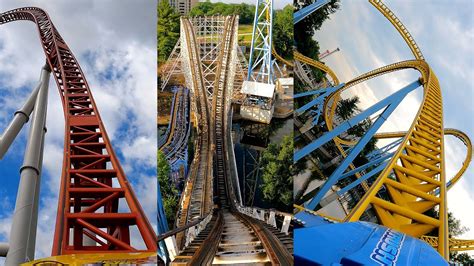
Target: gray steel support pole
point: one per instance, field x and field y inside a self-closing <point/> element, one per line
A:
<point x="30" y="249"/>
<point x="19" y="120"/>
<point x="25" y="217"/>
<point x="3" y="249"/>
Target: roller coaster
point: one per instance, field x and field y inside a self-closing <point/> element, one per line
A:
<point x="92" y="183"/>
<point x="407" y="177"/>
<point x="175" y="140"/>
<point x="212" y="225"/>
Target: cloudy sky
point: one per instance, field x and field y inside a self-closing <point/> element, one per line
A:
<point x="115" y="43"/>
<point x="444" y="31"/>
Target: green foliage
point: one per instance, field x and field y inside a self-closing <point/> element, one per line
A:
<point x="283" y="31"/>
<point x="278" y="172"/>
<point x="316" y="174"/>
<point x="167" y="30"/>
<point x="245" y="11"/>
<point x="305" y="29"/>
<point x="454" y="225"/>
<point x="346" y="107"/>
<point x="169" y="193"/>
<point x="463" y="258"/>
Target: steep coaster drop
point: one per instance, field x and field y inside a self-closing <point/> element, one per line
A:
<point x="92" y="182"/>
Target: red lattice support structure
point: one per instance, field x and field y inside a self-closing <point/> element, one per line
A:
<point x="92" y="183"/>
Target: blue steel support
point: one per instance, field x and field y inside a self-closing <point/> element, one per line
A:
<point x="318" y="100"/>
<point x="313" y="92"/>
<point x="316" y="116"/>
<point x="389" y="104"/>
<point x="363" y="178"/>
<point x="380" y="162"/>
<point x="317" y="91"/>
<point x="379" y="152"/>
<point x="328" y="136"/>
<point x="306" y="11"/>
<point x="365" y="166"/>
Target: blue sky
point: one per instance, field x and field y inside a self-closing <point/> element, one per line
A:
<point x="444" y="31"/>
<point x="115" y="43"/>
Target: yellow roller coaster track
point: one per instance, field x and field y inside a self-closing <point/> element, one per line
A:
<point x="417" y="169"/>
<point x="280" y="58"/>
<point x="298" y="56"/>
<point x="454" y="244"/>
<point x="405" y="213"/>
<point x="454" y="132"/>
<point x="399" y="26"/>
<point x="447" y="131"/>
<point x="417" y="165"/>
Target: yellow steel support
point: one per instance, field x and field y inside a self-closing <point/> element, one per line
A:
<point x="416" y="169"/>
<point x="149" y="258"/>
<point x="447" y="131"/>
<point x="454" y="244"/>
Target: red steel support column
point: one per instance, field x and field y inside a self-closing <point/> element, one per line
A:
<point x="89" y="198"/>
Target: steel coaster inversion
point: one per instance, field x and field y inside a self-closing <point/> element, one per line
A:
<point x="414" y="177"/>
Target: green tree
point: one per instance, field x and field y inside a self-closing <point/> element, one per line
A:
<point x="283" y="31"/>
<point x="167" y="30"/>
<point x="207" y="8"/>
<point x="463" y="258"/>
<point x="347" y="107"/>
<point x="245" y="12"/>
<point x="278" y="172"/>
<point x="201" y="9"/>
<point x="454" y="225"/>
<point x="316" y="174"/>
<point x="169" y="193"/>
<point x="305" y="29"/>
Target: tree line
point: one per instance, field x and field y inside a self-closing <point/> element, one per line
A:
<point x="168" y="24"/>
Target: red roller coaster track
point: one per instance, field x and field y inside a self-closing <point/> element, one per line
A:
<point x="89" y="199"/>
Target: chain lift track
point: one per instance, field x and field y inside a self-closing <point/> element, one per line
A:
<point x="90" y="165"/>
<point x="208" y="244"/>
